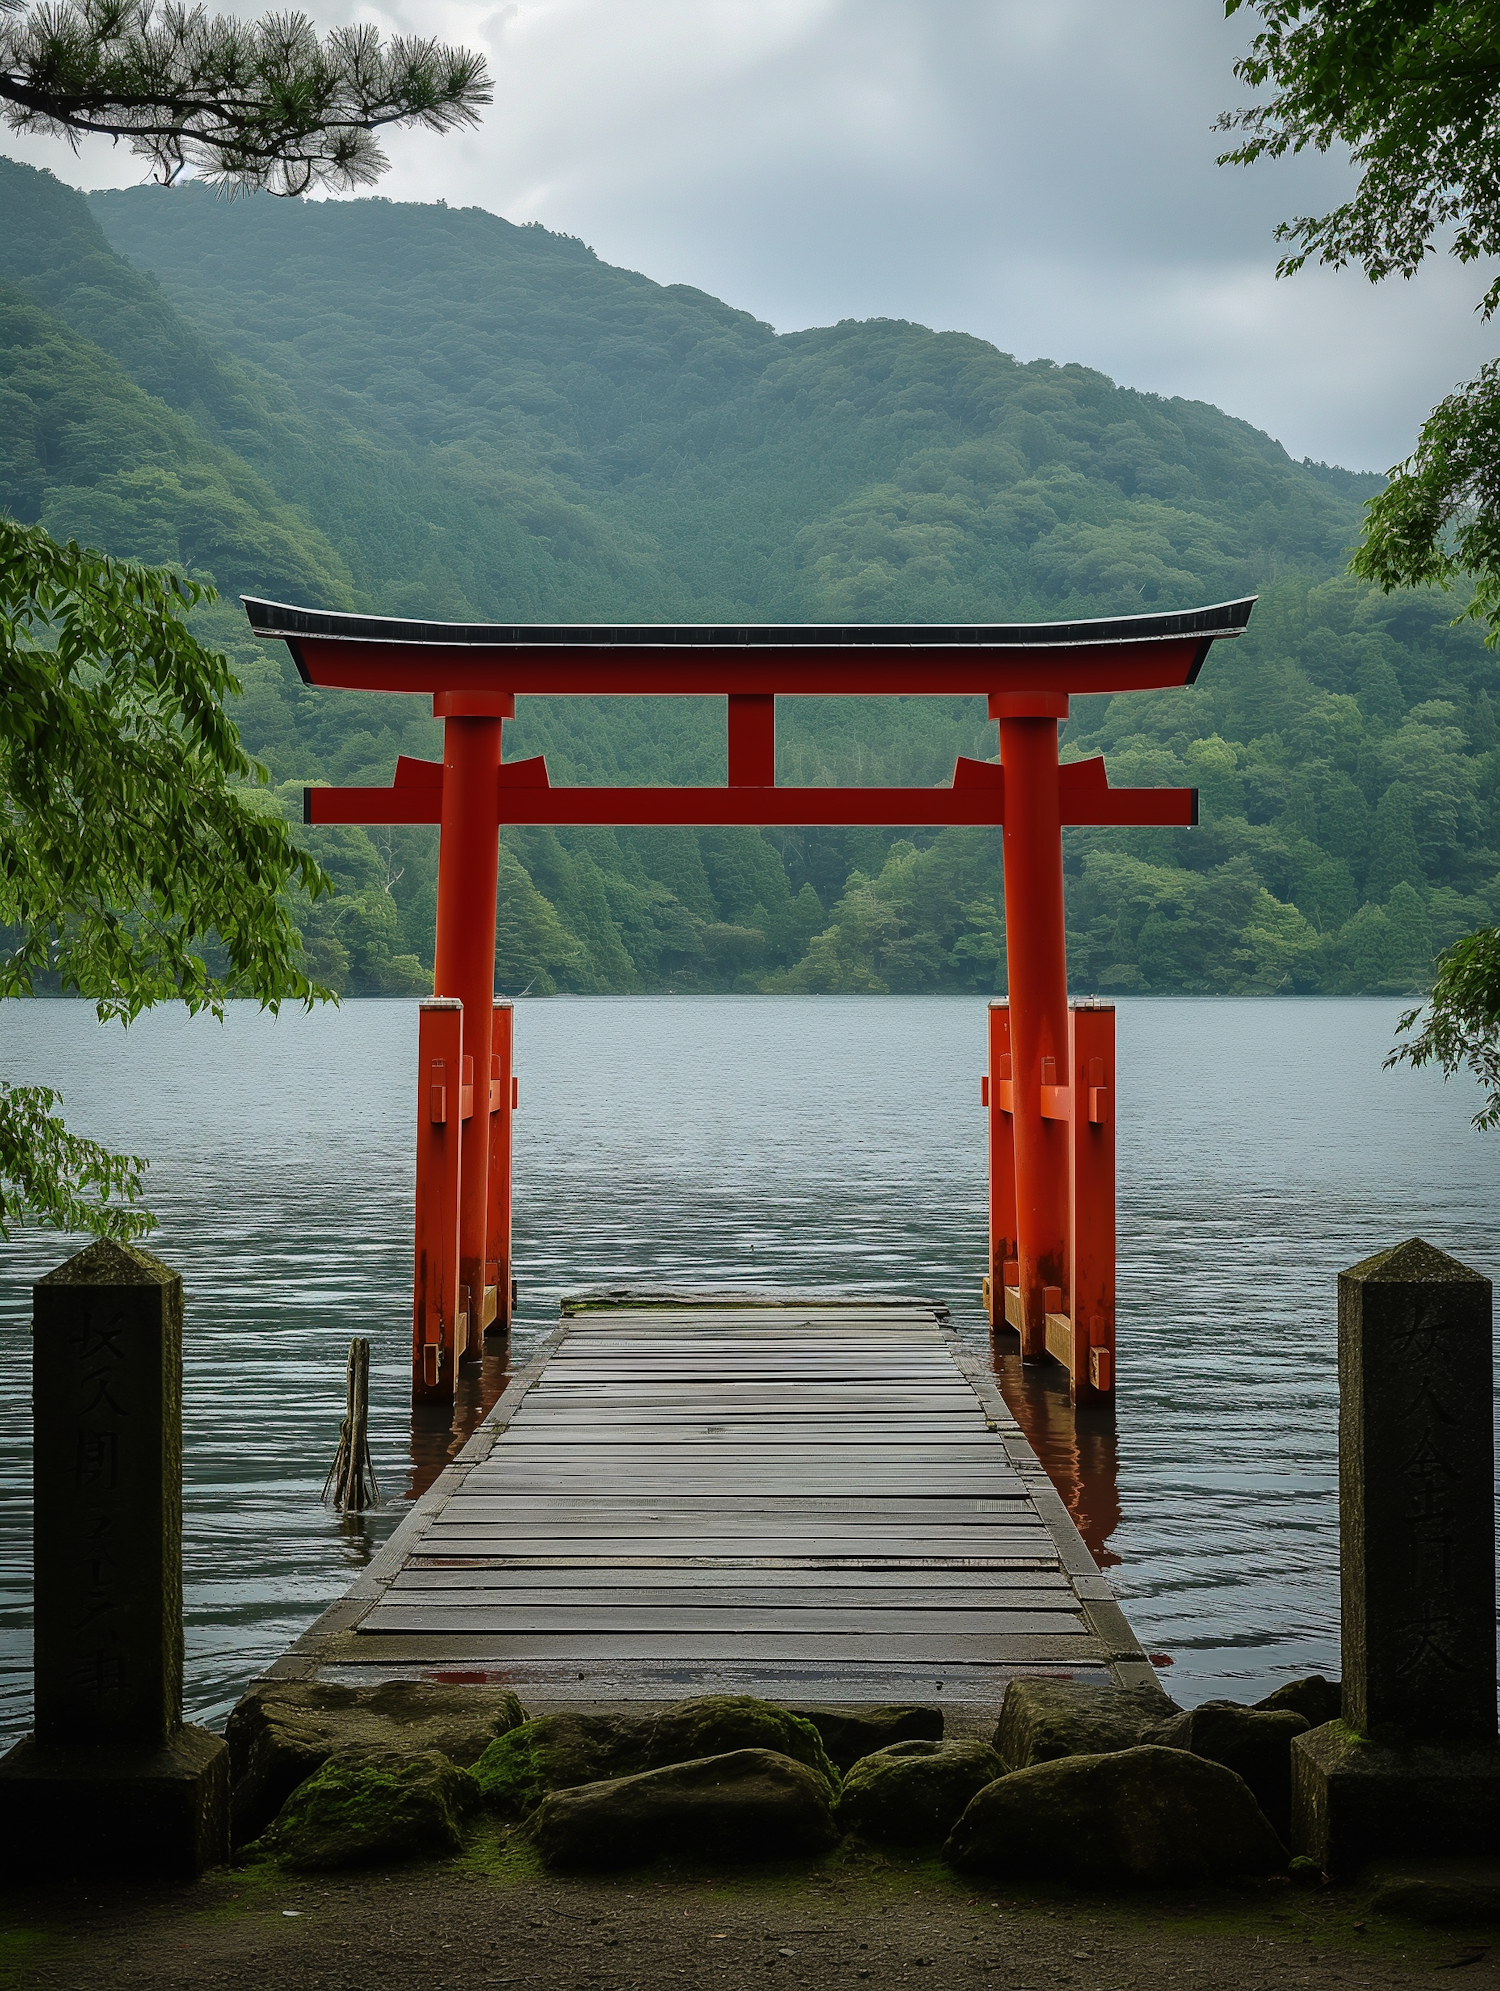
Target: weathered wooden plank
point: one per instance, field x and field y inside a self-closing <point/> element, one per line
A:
<point x="976" y="1686"/>
<point x="722" y="1431"/>
<point x="808" y="1541"/>
<point x="538" y="1445"/>
<point x="440" y="1613"/>
<point x="1027" y="1648"/>
<point x="920" y="1510"/>
<point x="759" y="1552"/>
<point x="798" y="1513"/>
<point x="893" y="1589"/>
<point x="800" y="1517"/>
<point x="583" y="1566"/>
<point x="741" y="1479"/>
<point x="903" y="1508"/>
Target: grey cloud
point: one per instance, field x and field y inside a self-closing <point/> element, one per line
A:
<point x="1039" y="174"/>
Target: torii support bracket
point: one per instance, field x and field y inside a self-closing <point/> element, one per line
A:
<point x="1052" y="1157"/>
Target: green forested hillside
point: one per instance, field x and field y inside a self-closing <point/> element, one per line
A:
<point x="574" y="440"/>
<point x="430" y="411"/>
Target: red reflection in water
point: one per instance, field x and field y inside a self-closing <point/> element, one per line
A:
<point x="1077" y="1447"/>
<point x="439" y="1434"/>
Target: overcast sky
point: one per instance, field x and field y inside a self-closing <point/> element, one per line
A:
<point x="1038" y="172"/>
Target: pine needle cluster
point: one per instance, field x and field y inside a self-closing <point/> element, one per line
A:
<point x="265" y="104"/>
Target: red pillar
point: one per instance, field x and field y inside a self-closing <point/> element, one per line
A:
<point x="1091" y="1279"/>
<point x="998" y="1093"/>
<point x="468" y="863"/>
<point x="440" y="1123"/>
<point x="1036" y="963"/>
<point x="502" y="1101"/>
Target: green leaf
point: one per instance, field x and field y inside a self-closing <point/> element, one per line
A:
<point x="51" y="1177"/>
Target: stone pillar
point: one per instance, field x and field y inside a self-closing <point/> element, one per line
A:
<point x="110" y="1770"/>
<point x="1413" y="1765"/>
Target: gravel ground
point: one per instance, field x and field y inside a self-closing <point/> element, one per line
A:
<point x="490" y="1919"/>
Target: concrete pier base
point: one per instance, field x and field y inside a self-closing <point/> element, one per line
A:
<point x="1354" y="1800"/>
<point x="161" y="1811"/>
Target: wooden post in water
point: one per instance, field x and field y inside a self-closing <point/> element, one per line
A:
<point x="351" y="1478"/>
<point x="111" y="1778"/>
<point x="1414" y="1763"/>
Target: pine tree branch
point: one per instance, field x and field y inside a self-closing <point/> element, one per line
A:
<point x="259" y="105"/>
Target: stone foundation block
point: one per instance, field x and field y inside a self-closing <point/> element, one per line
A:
<point x="1355" y="1800"/>
<point x="162" y="1812"/>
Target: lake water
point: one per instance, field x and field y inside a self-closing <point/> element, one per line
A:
<point x="781" y="1143"/>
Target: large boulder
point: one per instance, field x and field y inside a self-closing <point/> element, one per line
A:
<point x="1142" y="1816"/>
<point x="914" y="1793"/>
<point x="367" y="1808"/>
<point x="284" y="1730"/>
<point x="716" y="1724"/>
<point x="751" y="1804"/>
<point x="1256" y="1743"/>
<point x="1317" y="1700"/>
<point x="851" y="1732"/>
<point x="1041" y="1720"/>
<point x="555" y="1752"/>
<point x="558" y="1751"/>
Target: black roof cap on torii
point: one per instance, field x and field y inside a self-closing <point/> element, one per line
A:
<point x="278" y="619"/>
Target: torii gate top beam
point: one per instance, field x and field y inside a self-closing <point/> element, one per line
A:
<point x="383" y="653"/>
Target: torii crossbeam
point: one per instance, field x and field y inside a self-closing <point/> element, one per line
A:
<point x="1051" y="1073"/>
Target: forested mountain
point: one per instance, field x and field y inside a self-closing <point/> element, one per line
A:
<point x="430" y="411"/>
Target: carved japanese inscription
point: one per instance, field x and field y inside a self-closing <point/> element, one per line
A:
<point x="107" y="1386"/>
<point x="1416" y="1476"/>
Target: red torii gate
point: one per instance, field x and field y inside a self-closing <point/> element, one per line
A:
<point x="1051" y="1065"/>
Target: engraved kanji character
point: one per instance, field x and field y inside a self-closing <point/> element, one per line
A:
<point x="1425" y="1639"/>
<point x="101" y="1605"/>
<point x="100" y="1672"/>
<point x="102" y="1398"/>
<point x="94" y="1338"/>
<point x="97" y="1461"/>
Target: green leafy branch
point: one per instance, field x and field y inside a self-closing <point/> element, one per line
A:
<point x="55" y="1178"/>
<point x="1411" y="87"/>
<point x="1438" y="520"/>
<point x="130" y="839"/>
<point x="125" y="839"/>
<point x="1461" y="1030"/>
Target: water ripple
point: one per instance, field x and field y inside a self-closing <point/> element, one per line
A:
<point x="781" y="1143"/>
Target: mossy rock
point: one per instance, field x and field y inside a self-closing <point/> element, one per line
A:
<point x="554" y="1752"/>
<point x="372" y="1808"/>
<point x="1142" y="1817"/>
<point x="561" y="1751"/>
<point x="750" y="1804"/>
<point x="284" y="1730"/>
<point x="716" y="1724"/>
<point x="1042" y="1720"/>
<point x="914" y="1793"/>
<point x="851" y="1732"/>
<point x="1317" y="1700"/>
<point x="1256" y="1743"/>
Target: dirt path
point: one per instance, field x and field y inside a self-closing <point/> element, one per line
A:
<point x="490" y="1919"/>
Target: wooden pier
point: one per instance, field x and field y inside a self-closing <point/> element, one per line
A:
<point x="808" y="1500"/>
